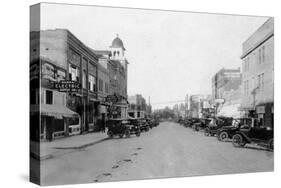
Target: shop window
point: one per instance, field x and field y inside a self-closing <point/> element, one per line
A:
<point x="73" y="121"/>
<point x="49" y="97"/>
<point x="58" y="125"/>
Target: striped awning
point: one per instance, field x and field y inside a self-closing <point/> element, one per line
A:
<point x="52" y="110"/>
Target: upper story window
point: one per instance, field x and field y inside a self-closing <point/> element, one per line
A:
<point x="261" y="81"/>
<point x="247" y="64"/>
<point x="92" y="83"/>
<point x="246" y="87"/>
<point x="84" y="79"/>
<point x="100" y="85"/>
<point x="60" y="75"/>
<point x="73" y="73"/>
<point x="106" y="87"/>
<point x="262" y="55"/>
<point x="48" y="71"/>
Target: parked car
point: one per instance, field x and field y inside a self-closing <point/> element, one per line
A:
<point x="259" y="135"/>
<point x="216" y="123"/>
<point x="144" y="125"/>
<point x="201" y="123"/>
<point x="189" y="122"/>
<point x="122" y="127"/>
<point x="227" y="132"/>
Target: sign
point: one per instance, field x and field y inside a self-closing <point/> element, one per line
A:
<point x="67" y="86"/>
<point x="220" y="101"/>
<point x="260" y="109"/>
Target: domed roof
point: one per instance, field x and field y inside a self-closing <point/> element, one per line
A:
<point x="117" y="43"/>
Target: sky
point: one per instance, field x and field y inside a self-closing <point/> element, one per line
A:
<point x="170" y="54"/>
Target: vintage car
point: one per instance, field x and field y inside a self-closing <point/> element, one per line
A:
<point x="259" y="135"/>
<point x="201" y="123"/>
<point x="227" y="132"/>
<point x="216" y="123"/>
<point x="123" y="127"/>
<point x="144" y="125"/>
<point x="189" y="122"/>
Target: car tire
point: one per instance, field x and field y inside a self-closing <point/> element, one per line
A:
<point x="207" y="132"/>
<point x="110" y="134"/>
<point x="138" y="134"/>
<point x="223" y="136"/>
<point x="127" y="133"/>
<point x="238" y="140"/>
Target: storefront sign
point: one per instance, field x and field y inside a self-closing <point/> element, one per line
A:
<point x="67" y="86"/>
<point x="260" y="109"/>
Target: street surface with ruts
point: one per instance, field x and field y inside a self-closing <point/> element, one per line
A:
<point x="169" y="150"/>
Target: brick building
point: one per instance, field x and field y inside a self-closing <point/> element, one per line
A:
<point x="62" y="56"/>
<point x="258" y="74"/>
<point x="137" y="106"/>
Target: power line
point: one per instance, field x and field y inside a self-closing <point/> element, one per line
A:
<point x="168" y="102"/>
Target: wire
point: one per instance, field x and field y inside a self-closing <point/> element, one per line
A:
<point x="168" y="102"/>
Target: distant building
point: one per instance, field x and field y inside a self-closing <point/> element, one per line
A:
<point x="258" y="74"/>
<point x="137" y="106"/>
<point x="115" y="64"/>
<point x="195" y="110"/>
<point x="224" y="81"/>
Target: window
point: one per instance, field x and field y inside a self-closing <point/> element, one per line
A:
<point x="100" y="85"/>
<point x="73" y="73"/>
<point x="246" y="87"/>
<point x="60" y="75"/>
<point x="84" y="80"/>
<point x="48" y="71"/>
<point x="262" y="55"/>
<point x="49" y="97"/>
<point x="92" y="83"/>
<point x="247" y="64"/>
<point x="261" y="81"/>
<point x="106" y="87"/>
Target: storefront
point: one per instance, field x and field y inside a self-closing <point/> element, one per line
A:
<point x="55" y="121"/>
<point x="265" y="115"/>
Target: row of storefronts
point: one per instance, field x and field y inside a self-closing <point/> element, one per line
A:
<point x="250" y="92"/>
<point x="69" y="89"/>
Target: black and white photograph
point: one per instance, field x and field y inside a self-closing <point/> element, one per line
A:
<point x="122" y="94"/>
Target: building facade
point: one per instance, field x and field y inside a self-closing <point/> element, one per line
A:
<point x="137" y="106"/>
<point x="64" y="57"/>
<point x="258" y="74"/>
<point x="225" y="80"/>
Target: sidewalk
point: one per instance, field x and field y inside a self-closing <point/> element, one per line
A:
<point x="65" y="145"/>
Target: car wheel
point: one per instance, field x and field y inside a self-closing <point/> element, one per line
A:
<point x="138" y="134"/>
<point x="223" y="136"/>
<point x="271" y="144"/>
<point x="127" y="133"/>
<point x="110" y="134"/>
<point x="207" y="132"/>
<point x="238" y="141"/>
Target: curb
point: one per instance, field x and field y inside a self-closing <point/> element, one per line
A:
<point x="50" y="156"/>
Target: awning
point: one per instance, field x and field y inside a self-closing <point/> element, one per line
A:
<point x="230" y="111"/>
<point x="52" y="110"/>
